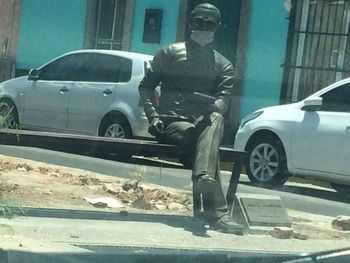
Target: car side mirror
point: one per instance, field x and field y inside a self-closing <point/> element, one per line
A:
<point x="312" y="104"/>
<point x="33" y="74"/>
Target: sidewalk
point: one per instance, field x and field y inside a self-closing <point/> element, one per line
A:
<point x="141" y="230"/>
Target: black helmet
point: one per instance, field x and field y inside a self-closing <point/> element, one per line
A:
<point x="206" y="11"/>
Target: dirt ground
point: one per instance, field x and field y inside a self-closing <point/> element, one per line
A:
<point x="29" y="183"/>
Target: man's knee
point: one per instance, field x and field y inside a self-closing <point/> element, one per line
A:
<point x="217" y="117"/>
<point x="178" y="130"/>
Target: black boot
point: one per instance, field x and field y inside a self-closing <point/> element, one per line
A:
<point x="226" y="224"/>
<point x="215" y="207"/>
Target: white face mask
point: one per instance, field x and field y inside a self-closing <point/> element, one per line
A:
<point x="202" y="38"/>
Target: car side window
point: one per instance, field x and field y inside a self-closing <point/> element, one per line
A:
<point x="107" y="68"/>
<point x="62" y="69"/>
<point x="54" y="71"/>
<point x="337" y="100"/>
<point x="85" y="72"/>
<point x="125" y="70"/>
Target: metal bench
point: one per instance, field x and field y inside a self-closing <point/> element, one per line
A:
<point x="72" y="143"/>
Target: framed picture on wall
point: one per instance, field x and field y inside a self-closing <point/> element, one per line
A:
<point x="152" y="26"/>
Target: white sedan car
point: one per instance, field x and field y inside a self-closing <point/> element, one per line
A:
<point x="93" y="92"/>
<point x="310" y="138"/>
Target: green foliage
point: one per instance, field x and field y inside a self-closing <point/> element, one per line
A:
<point x="138" y="173"/>
<point x="10" y="211"/>
<point x="3" y="120"/>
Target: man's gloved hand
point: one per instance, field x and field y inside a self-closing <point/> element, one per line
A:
<point x="157" y="125"/>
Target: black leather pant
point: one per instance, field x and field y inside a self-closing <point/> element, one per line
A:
<point x="201" y="144"/>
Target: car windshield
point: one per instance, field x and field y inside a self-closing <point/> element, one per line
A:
<point x="183" y="130"/>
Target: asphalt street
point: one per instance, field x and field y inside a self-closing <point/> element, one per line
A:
<point x="306" y="197"/>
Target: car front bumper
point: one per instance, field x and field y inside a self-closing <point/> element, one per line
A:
<point x="242" y="138"/>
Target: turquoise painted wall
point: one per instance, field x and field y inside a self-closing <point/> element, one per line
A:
<point x="48" y="29"/>
<point x="169" y="26"/>
<point x="267" y="38"/>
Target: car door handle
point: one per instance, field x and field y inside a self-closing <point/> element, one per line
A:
<point x="347" y="129"/>
<point x="107" y="92"/>
<point x="64" y="90"/>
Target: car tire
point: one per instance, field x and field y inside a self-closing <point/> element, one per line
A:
<point x="266" y="164"/>
<point x="343" y="190"/>
<point x="9" y="111"/>
<point x="116" y="127"/>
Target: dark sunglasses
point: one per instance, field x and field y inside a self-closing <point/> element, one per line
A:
<point x="204" y="25"/>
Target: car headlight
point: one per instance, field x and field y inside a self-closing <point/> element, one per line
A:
<point x="250" y="117"/>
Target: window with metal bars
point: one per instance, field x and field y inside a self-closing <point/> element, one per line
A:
<point x="110" y="24"/>
<point x="318" y="47"/>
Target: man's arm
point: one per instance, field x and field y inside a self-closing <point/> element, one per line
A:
<point x="224" y="88"/>
<point x="151" y="80"/>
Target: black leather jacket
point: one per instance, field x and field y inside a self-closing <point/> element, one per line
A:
<point x="182" y="69"/>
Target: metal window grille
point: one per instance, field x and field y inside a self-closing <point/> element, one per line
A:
<point x="110" y="24"/>
<point x="318" y="47"/>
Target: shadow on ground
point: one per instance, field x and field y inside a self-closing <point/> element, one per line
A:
<point x="188" y="223"/>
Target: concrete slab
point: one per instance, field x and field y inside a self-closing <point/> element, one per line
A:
<point x="260" y="213"/>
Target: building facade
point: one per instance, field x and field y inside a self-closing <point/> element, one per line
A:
<point x="282" y="50"/>
<point x="9" y="27"/>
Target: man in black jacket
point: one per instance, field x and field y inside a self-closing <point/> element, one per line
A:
<point x="194" y="122"/>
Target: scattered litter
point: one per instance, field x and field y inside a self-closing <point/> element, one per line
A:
<point x="282" y="232"/>
<point x="341" y="223"/>
<point x="112" y="188"/>
<point x="142" y="203"/>
<point x="131" y="184"/>
<point x="160" y="207"/>
<point x="22" y="169"/>
<point x="176" y="206"/>
<point x="105" y="202"/>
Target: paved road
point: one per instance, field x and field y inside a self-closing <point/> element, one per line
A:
<point x="296" y="196"/>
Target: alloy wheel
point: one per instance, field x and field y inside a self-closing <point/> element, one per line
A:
<point x="115" y="131"/>
<point x="264" y="162"/>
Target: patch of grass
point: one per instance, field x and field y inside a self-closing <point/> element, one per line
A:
<point x="138" y="173"/>
<point x="3" y="123"/>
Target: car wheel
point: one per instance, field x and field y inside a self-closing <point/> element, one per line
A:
<point x="116" y="128"/>
<point x="267" y="164"/>
<point x="8" y="112"/>
<point x="343" y="190"/>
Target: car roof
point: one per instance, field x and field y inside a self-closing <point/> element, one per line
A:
<point x="126" y="54"/>
<point x="329" y="87"/>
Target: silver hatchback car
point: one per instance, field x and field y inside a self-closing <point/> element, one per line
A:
<point x="92" y="92"/>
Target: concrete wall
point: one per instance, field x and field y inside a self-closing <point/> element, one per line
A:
<point x="267" y="38"/>
<point x="48" y="29"/>
<point x="169" y="27"/>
